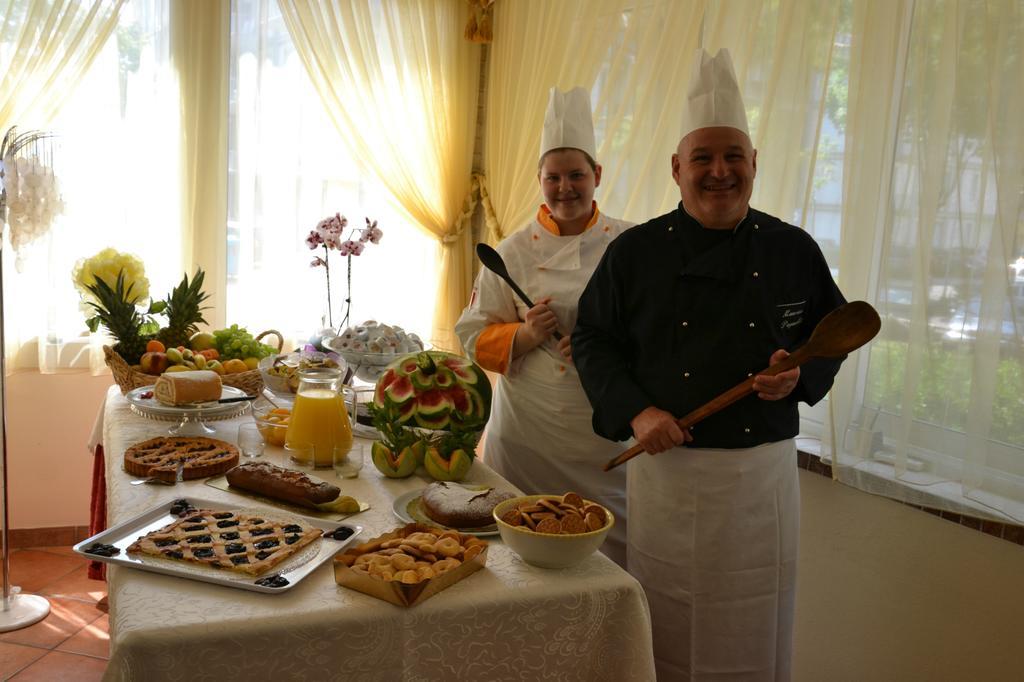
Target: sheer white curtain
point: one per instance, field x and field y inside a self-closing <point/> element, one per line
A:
<point x="288" y="169"/>
<point x="400" y="83"/>
<point x="938" y="403"/>
<point x="886" y="130"/>
<point x="635" y="56"/>
<point x="116" y="160"/>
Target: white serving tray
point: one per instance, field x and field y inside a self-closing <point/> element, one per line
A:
<point x="294" y="569"/>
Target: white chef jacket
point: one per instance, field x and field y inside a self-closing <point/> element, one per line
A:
<point x="540" y="435"/>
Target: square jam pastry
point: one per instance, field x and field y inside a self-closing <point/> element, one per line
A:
<point x="246" y="543"/>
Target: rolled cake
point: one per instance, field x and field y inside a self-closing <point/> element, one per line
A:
<point x="184" y="388"/>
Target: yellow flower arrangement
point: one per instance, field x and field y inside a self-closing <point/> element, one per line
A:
<point x="106" y="265"/>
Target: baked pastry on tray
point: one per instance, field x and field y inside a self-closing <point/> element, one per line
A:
<point x="282" y="484"/>
<point x="199" y="457"/>
<point x="232" y="540"/>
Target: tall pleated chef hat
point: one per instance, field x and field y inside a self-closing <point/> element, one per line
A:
<point x="568" y="123"/>
<point x="714" y="97"/>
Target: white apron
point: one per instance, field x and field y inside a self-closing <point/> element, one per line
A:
<point x="713" y="540"/>
<point x="540" y="436"/>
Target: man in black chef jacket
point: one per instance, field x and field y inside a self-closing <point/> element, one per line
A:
<point x="680" y="309"/>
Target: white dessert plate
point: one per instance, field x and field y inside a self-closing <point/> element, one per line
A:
<point x="151" y="407"/>
<point x="407" y="508"/>
<point x="293" y="569"/>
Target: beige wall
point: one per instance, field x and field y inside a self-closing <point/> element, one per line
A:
<point x="887" y="592"/>
<point x="49" y="419"/>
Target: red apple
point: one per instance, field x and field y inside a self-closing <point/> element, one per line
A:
<point x="154" y="362"/>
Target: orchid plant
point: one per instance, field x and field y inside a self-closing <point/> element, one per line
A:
<point x="329" y="234"/>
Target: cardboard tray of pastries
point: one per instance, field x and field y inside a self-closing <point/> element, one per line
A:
<point x="410" y="564"/>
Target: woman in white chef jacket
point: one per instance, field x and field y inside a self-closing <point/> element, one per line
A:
<point x="540" y="435"/>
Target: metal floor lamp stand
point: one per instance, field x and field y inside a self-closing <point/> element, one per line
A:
<point x="19" y="610"/>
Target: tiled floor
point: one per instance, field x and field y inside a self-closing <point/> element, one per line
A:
<point x="72" y="642"/>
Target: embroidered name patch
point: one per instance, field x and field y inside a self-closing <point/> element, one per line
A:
<point x="790" y="315"/>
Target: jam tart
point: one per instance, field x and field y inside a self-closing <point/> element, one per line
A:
<point x="197" y="456"/>
<point x="231" y="540"/>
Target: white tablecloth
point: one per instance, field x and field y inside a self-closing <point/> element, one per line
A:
<point x="511" y="621"/>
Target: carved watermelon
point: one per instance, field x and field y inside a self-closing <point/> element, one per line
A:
<point x="432" y="389"/>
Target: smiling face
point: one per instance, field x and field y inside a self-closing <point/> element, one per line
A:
<point x="567" y="181"/>
<point x="715" y="169"/>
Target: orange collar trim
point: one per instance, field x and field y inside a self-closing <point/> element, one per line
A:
<point x="549" y="224"/>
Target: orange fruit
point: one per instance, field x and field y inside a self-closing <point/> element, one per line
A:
<point x="155" y="346"/>
<point x="234" y="366"/>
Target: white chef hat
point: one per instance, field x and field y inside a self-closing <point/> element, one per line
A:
<point x="568" y="123"/>
<point x="713" y="98"/>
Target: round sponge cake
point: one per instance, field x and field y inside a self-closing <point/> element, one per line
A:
<point x="454" y="506"/>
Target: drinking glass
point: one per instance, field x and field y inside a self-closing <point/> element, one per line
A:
<point x="301" y="455"/>
<point x="349" y="461"/>
<point x="250" y="440"/>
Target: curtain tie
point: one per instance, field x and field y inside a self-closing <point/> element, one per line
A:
<point x="478" y="26"/>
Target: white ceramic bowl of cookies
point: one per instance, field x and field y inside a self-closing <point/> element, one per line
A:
<point x="549" y="550"/>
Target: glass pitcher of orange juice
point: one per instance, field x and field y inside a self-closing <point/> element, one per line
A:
<point x="319" y="417"/>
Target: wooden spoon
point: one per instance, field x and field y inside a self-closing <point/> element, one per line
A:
<point x="842" y="331"/>
<point x="493" y="261"/>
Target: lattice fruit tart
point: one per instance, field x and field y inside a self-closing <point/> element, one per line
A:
<point x="234" y="540"/>
<point x="198" y="457"/>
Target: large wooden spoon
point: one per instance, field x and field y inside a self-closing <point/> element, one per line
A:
<point x="842" y="331"/>
<point x="493" y="261"/>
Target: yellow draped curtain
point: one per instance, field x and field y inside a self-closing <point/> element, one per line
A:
<point x="400" y="83"/>
<point x="46" y="46"/>
<point x="200" y="42"/>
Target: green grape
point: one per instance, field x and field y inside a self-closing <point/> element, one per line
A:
<point x="237" y="342"/>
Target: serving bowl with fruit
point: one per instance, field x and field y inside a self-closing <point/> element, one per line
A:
<point x="272" y="423"/>
<point x="281" y="371"/>
<point x="232" y="353"/>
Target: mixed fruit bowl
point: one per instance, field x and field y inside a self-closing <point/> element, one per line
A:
<point x="281" y="372"/>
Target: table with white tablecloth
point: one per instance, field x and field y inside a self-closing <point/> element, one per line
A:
<point x="510" y="621"/>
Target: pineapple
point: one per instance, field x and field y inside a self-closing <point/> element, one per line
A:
<point x="183" y="311"/>
<point x="115" y="309"/>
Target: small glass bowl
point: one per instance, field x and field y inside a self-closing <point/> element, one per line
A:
<point x="272" y="422"/>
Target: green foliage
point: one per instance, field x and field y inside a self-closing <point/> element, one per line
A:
<point x="184" y="309"/>
<point x="944" y="389"/>
<point x="459" y="436"/>
<point x="394" y="435"/>
<point x="116" y="310"/>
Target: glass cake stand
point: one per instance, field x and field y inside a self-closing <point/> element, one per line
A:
<point x="190" y="419"/>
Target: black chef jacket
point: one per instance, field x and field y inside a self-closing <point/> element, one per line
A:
<point x="663" y="324"/>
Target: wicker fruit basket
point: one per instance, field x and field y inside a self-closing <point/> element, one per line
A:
<point x="128" y="378"/>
